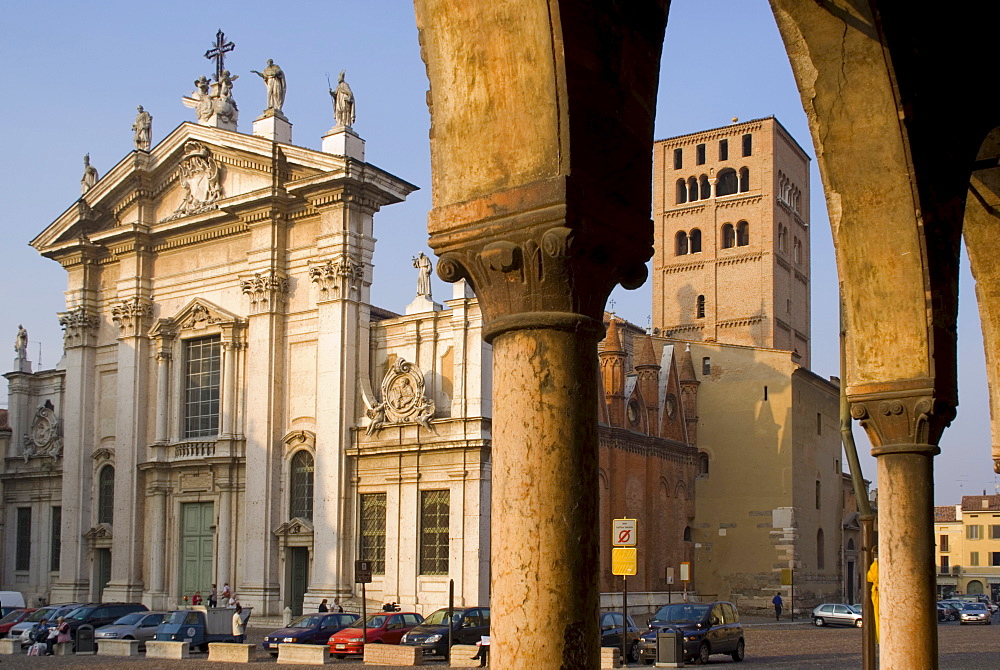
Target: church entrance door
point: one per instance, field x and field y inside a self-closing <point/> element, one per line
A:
<point x="197" y="520"/>
<point x="298" y="573"/>
<point x="102" y="564"/>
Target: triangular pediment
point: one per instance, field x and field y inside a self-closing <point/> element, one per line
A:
<point x="294" y="527"/>
<point x="196" y="315"/>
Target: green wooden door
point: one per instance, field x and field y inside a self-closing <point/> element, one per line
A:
<point x="299" y="577"/>
<point x="196" y="547"/>
<point x="103" y="559"/>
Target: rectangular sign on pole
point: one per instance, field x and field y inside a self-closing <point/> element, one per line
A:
<point x="786" y="576"/>
<point x="362" y="572"/>
<point x="623" y="560"/>
<point x="623" y="533"/>
<point x="686" y="571"/>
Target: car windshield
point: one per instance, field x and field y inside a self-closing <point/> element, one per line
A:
<point x="308" y="621"/>
<point x="12" y="617"/>
<point x="186" y="617"/>
<point x="681" y="613"/>
<point x="854" y="608"/>
<point x="38" y="615"/>
<point x="975" y="606"/>
<point x="374" y="621"/>
<point x="440" y="617"/>
<point x="80" y="613"/>
<point x="130" y="619"/>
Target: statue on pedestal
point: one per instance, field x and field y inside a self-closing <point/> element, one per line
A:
<point x="143" y="129"/>
<point x="343" y="102"/>
<point x="274" y="80"/>
<point x="89" y="175"/>
<point x="423" y="265"/>
<point x="21" y="342"/>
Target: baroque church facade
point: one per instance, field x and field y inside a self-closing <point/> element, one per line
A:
<point x="231" y="408"/>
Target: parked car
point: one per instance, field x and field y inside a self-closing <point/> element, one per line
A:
<point x="707" y="628"/>
<point x="139" y="626"/>
<point x="49" y="613"/>
<point x="14" y="617"/>
<point x="100" y="614"/>
<point x="975" y="598"/>
<point x="382" y="628"/>
<point x="308" y="629"/>
<point x="948" y="611"/>
<point x="975" y="613"/>
<point x="611" y="634"/>
<point x="835" y="614"/>
<point x="468" y="625"/>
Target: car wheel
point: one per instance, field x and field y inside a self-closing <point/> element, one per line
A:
<point x="818" y="621"/>
<point x="633" y="652"/>
<point x="858" y="624"/>
<point x="703" y="653"/>
<point x="740" y="651"/>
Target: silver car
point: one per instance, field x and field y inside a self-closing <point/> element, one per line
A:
<point x="975" y="613"/>
<point x="835" y="614"/>
<point x="135" y="626"/>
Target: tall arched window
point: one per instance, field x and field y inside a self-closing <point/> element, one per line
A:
<point x="728" y="182"/>
<point x="703" y="464"/>
<point x="742" y="234"/>
<point x="700" y="307"/>
<point x="744" y="180"/>
<point x="706" y="188"/>
<point x="301" y="485"/>
<point x="797" y="250"/>
<point x="820" y="550"/>
<point x="681" y="243"/>
<point x="106" y="494"/>
<point x="687" y="533"/>
<point x="682" y="192"/>
<point x="694" y="239"/>
<point x="692" y="189"/>
<point x="782" y="238"/>
<point x="728" y="236"/>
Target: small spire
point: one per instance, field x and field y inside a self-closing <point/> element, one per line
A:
<point x="612" y="342"/>
<point x="645" y="356"/>
<point x="687" y="366"/>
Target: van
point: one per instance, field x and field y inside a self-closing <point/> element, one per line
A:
<point x="10" y="601"/>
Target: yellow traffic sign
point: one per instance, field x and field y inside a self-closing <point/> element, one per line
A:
<point x="623" y="560"/>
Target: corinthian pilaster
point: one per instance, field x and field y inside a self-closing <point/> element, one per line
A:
<point x="131" y="316"/>
<point x="340" y="277"/>
<point x="79" y="327"/>
<point x="265" y="290"/>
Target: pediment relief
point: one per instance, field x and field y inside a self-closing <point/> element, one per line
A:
<point x="101" y="531"/>
<point x="299" y="438"/>
<point x="296" y="527"/>
<point x="199" y="314"/>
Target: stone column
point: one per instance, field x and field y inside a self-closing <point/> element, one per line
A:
<point x="162" y="395"/>
<point x="224" y="532"/>
<point x="227" y="405"/>
<point x="158" y="536"/>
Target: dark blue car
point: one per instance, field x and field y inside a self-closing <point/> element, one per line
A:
<point x="309" y="629"/>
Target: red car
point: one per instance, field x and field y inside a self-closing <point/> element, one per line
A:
<point x="383" y="628"/>
<point x="15" y="617"/>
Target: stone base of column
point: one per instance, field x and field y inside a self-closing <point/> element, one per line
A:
<point x="68" y="592"/>
<point x="156" y="601"/>
<point x="128" y="592"/>
<point x="266" y="600"/>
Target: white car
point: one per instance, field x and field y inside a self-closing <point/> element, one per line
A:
<point x="975" y="613"/>
<point x="836" y="614"/>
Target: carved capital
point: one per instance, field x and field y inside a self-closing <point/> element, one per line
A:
<point x="539" y="256"/>
<point x="903" y="421"/>
<point x="340" y="277"/>
<point x="266" y="290"/>
<point x="131" y="316"/>
<point x="79" y="327"/>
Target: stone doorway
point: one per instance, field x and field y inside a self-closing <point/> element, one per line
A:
<point x="102" y="570"/>
<point x="298" y="577"/>
<point x="197" y="537"/>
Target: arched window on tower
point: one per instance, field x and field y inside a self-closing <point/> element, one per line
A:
<point x="742" y="234"/>
<point x="706" y="188"/>
<point x="682" y="193"/>
<point x="687" y="533"/>
<point x="106" y="495"/>
<point x="728" y="182"/>
<point x="728" y="236"/>
<point x="782" y="238"/>
<point x="692" y="189"/>
<point x="695" y="241"/>
<point x="703" y="465"/>
<point x="744" y="180"/>
<point x="797" y="251"/>
<point x="301" y="485"/>
<point x="681" y="243"/>
<point x="700" y="307"/>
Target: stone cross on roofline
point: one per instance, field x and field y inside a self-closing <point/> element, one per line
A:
<point x="218" y="53"/>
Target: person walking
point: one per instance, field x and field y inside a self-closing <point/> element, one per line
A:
<point x="213" y="597"/>
<point x="777" y="602"/>
<point x="238" y="626"/>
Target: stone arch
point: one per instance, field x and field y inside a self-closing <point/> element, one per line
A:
<point x="680" y="491"/>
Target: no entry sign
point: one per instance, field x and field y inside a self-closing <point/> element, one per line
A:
<point x="623" y="533"/>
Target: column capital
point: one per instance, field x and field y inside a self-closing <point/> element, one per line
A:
<point x="80" y="325"/>
<point x="131" y="315"/>
<point x="903" y="420"/>
<point x="543" y="255"/>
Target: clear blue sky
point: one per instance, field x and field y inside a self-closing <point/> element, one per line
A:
<point x="76" y="71"/>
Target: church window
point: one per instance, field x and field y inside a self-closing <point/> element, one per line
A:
<point x="687" y="533"/>
<point x="819" y="493"/>
<point x="695" y="241"/>
<point x="302" y="468"/>
<point x="201" y="387"/>
<point x="682" y="243"/>
<point x="106" y="494"/>
<point x="682" y="192"/>
<point x="706" y="188"/>
<point x="782" y="238"/>
<point x="700" y="307"/>
<point x="744" y="180"/>
<point x="55" y="539"/>
<point x="706" y="366"/>
<point x="22" y="552"/>
<point x="723" y="150"/>
<point x="699" y="152"/>
<point x="434" y="547"/>
<point x="373" y="530"/>
<point x="678" y="159"/>
<point x="797" y="251"/>
<point x="728" y="182"/>
<point x="747" y="145"/>
<point x="742" y="234"/>
<point x="692" y="189"/>
<point x="820" y="550"/>
<point x="703" y="465"/>
<point x="728" y="236"/>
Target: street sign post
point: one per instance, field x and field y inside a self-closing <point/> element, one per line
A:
<point x="623" y="533"/>
<point x="623" y="562"/>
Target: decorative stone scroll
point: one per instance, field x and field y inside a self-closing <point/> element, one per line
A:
<point x="403" y="399"/>
<point x="200" y="315"/>
<point x="337" y="275"/>
<point x="201" y="180"/>
<point x="130" y="316"/>
<point x="79" y="327"/>
<point x="44" y="439"/>
<point x="264" y="290"/>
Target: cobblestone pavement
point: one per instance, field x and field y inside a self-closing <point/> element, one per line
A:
<point x="769" y="645"/>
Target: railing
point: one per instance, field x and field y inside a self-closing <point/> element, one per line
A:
<point x="194" y="450"/>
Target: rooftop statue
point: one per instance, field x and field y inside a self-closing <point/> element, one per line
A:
<point x="343" y="102"/>
<point x="423" y="265"/>
<point x="274" y="80"/>
<point x="21" y="342"/>
<point x="143" y="129"/>
<point x="89" y="175"/>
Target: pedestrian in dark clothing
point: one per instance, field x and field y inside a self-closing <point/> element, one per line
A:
<point x="777" y="602"/>
<point x="323" y="607"/>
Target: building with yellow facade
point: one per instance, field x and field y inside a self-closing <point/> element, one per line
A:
<point x="967" y="551"/>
